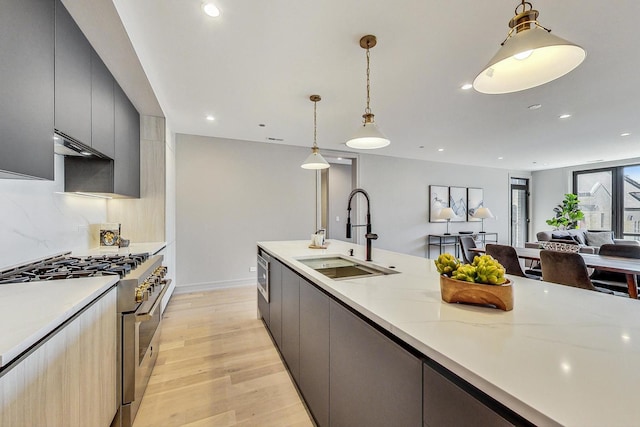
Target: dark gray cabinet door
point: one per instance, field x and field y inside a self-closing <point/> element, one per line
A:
<point x="126" y="166"/>
<point x="291" y="322"/>
<point x="314" y="351"/>
<point x="27" y="87"/>
<point x="102" y="107"/>
<point x="275" y="301"/>
<point x="263" y="308"/>
<point x="373" y="381"/>
<point x="446" y="404"/>
<point x="72" y="78"/>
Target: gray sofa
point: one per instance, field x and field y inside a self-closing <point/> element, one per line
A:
<point x="588" y="240"/>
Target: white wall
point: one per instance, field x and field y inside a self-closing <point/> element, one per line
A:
<point x="36" y="221"/>
<point x="232" y="193"/>
<point x="399" y="191"/>
<point x="229" y="195"/>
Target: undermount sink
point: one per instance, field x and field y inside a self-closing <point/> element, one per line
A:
<point x="341" y="268"/>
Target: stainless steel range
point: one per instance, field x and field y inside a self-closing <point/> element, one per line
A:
<point x="140" y="290"/>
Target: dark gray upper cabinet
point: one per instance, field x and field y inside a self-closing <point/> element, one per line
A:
<point x="373" y="381"/>
<point x="26" y="88"/>
<point x="291" y="322"/>
<point x="275" y="300"/>
<point x="102" y="107"/>
<point x="126" y="173"/>
<point x="314" y="351"/>
<point x="72" y="78"/>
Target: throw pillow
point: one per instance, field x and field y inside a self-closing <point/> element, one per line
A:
<point x="578" y="235"/>
<point x="598" y="238"/>
<point x="558" y="236"/>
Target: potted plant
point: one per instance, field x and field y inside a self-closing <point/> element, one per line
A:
<point x="568" y="214"/>
<point x="482" y="282"/>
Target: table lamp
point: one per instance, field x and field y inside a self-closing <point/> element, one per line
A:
<point x="448" y="214"/>
<point x="483" y="213"/>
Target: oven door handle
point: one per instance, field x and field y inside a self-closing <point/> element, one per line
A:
<point x="143" y="317"/>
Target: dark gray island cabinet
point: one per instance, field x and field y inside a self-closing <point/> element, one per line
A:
<point x="352" y="373"/>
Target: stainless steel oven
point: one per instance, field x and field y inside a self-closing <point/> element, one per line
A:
<point x="263" y="274"/>
<point x="263" y="287"/>
<point x="140" y="321"/>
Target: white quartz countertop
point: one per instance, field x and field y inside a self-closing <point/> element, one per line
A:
<point x="30" y="311"/>
<point x="562" y="356"/>
<point x="133" y="248"/>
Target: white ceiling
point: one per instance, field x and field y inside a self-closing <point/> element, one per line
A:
<point x="260" y="61"/>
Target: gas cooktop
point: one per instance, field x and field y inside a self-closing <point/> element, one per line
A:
<point x="64" y="266"/>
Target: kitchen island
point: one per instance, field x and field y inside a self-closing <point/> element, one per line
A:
<point x="562" y="356"/>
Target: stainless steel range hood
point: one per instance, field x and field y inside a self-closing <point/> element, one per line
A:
<point x="86" y="170"/>
<point x="67" y="146"/>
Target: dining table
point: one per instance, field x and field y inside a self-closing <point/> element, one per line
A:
<point x="630" y="267"/>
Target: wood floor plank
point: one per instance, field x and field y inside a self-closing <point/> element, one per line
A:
<point x="217" y="366"/>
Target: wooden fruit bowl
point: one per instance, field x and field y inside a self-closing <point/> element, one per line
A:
<point x="500" y="296"/>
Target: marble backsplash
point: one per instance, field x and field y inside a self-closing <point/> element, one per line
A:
<point x="37" y="219"/>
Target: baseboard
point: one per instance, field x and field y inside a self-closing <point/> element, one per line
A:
<point x="212" y="286"/>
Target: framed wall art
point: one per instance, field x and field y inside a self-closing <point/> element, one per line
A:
<point x="458" y="202"/>
<point x="438" y="199"/>
<point x="475" y="200"/>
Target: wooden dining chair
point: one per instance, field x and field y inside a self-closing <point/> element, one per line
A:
<point x="609" y="279"/>
<point x="466" y="244"/>
<point x="508" y="257"/>
<point x="567" y="268"/>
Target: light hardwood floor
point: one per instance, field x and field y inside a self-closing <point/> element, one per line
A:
<point x="218" y="367"/>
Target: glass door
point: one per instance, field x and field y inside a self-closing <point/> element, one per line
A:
<point x="519" y="211"/>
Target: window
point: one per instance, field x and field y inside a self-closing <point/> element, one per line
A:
<point x="631" y="202"/>
<point x="610" y="199"/>
<point x="595" y="192"/>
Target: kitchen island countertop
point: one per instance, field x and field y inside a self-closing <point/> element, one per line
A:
<point x="562" y="356"/>
<point x="30" y="311"/>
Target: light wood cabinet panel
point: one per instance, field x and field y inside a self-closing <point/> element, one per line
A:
<point x="70" y="380"/>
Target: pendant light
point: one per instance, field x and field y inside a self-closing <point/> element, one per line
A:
<point x="368" y="136"/>
<point x="315" y="159"/>
<point x="530" y="56"/>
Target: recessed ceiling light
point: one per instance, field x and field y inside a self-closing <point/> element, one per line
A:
<point x="262" y="125"/>
<point x="210" y="118"/>
<point x="210" y="9"/>
<point x="500" y="158"/>
<point x="440" y="149"/>
<point x="339" y="158"/>
<point x="625" y="134"/>
<point x="534" y="106"/>
<point x="564" y="116"/>
<point x="466" y="86"/>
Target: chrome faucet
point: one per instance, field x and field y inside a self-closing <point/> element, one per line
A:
<point x="369" y="235"/>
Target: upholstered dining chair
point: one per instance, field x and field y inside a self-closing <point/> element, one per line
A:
<point x="508" y="257"/>
<point x="609" y="279"/>
<point x="466" y="244"/>
<point x="567" y="268"/>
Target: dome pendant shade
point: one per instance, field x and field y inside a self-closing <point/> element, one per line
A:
<point x="368" y="137"/>
<point x="530" y="56"/>
<point x="315" y="161"/>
